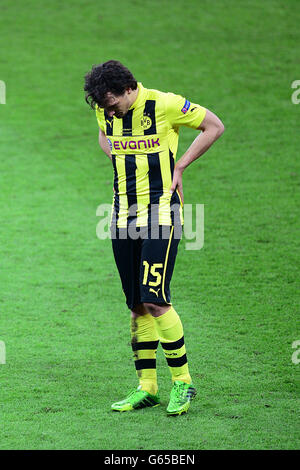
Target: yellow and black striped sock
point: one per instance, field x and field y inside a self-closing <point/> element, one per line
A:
<point x="144" y="342"/>
<point x="170" y="334"/>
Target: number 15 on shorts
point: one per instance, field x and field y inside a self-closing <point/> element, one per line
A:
<point x="153" y="269"/>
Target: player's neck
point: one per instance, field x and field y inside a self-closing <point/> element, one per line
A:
<point x="134" y="96"/>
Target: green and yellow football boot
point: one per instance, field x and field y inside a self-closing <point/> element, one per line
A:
<point x="135" y="400"/>
<point x="180" y="398"/>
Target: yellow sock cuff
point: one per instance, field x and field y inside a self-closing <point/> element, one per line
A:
<point x="143" y="328"/>
<point x="167" y="320"/>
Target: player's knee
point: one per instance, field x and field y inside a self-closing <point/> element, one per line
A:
<point x="154" y="309"/>
<point x="138" y="310"/>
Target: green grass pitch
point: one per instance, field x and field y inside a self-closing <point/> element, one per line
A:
<point x="62" y="313"/>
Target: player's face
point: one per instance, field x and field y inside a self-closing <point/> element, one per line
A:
<point x="117" y="105"/>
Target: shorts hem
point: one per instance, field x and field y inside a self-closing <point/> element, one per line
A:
<point x="150" y="301"/>
<point x="156" y="301"/>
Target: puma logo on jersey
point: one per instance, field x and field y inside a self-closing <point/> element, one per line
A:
<point x="154" y="291"/>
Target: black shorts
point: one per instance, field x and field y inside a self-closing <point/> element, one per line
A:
<point x="146" y="263"/>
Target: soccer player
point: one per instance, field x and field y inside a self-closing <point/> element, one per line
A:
<point x="138" y="131"/>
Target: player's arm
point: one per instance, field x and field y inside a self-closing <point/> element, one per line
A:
<point x="212" y="128"/>
<point x="103" y="142"/>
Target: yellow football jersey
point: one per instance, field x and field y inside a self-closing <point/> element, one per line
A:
<point x="143" y="146"/>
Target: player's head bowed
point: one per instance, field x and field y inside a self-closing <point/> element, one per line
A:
<point x="109" y="77"/>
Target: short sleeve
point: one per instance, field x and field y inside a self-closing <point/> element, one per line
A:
<point x="100" y="118"/>
<point x="181" y="112"/>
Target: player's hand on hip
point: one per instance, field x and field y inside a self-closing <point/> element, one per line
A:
<point x="177" y="183"/>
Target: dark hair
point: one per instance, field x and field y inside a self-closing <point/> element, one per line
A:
<point x="110" y="76"/>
